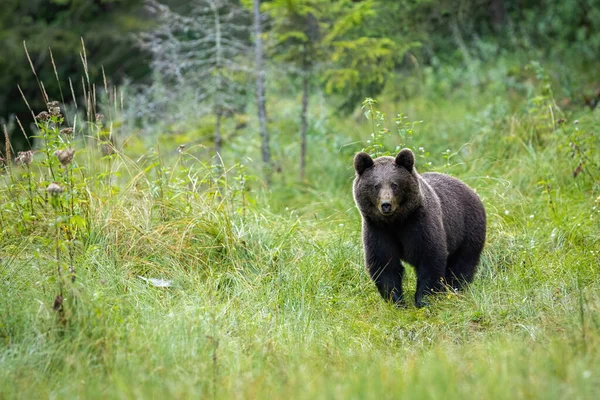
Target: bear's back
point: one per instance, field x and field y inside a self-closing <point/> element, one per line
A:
<point x="462" y="210"/>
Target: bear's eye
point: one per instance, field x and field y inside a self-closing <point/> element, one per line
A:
<point x="394" y="186"/>
<point x="377" y="186"/>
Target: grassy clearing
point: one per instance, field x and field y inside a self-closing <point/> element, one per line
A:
<point x="270" y="297"/>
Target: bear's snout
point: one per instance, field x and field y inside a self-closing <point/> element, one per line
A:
<point x="386" y="208"/>
<point x="387" y="205"/>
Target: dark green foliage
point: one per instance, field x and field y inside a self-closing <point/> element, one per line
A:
<point x="106" y="26"/>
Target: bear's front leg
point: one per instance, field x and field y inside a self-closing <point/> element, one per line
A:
<point x="384" y="266"/>
<point x="389" y="282"/>
<point x="430" y="279"/>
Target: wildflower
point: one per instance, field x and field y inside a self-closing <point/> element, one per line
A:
<point x="531" y="216"/>
<point x="99" y="118"/>
<point x="24" y="157"/>
<point x="43" y="116"/>
<point x="54" y="189"/>
<point x="67" y="131"/>
<point x="65" y="156"/>
<point x="506" y="212"/>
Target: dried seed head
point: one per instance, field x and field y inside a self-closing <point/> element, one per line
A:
<point x="43" y="116"/>
<point x="54" y="111"/>
<point x="578" y="170"/>
<point x="180" y="148"/>
<point x="58" y="303"/>
<point x="24" y="157"/>
<point x="54" y="189"/>
<point x="65" y="156"/>
<point x="99" y="118"/>
<point x="107" y="149"/>
<point x="67" y="131"/>
<point x="51" y="104"/>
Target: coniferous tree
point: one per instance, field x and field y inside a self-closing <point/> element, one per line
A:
<point x="59" y="26"/>
<point x="321" y="35"/>
<point x="295" y="36"/>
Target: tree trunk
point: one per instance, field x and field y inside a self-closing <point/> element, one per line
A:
<point x="219" y="90"/>
<point x="304" y="123"/>
<point x="260" y="95"/>
<point x="218" y="138"/>
<point x="497" y="13"/>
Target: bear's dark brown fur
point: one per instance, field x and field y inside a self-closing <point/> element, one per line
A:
<point x="433" y="221"/>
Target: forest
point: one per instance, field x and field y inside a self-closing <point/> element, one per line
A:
<point x="176" y="197"/>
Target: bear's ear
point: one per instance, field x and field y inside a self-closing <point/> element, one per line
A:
<point x="362" y="161"/>
<point x="406" y="159"/>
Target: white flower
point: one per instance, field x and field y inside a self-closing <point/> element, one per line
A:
<point x="587" y="374"/>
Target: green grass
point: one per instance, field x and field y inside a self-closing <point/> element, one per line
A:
<point x="270" y="298"/>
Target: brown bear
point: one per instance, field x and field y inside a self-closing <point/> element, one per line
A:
<point x="433" y="221"/>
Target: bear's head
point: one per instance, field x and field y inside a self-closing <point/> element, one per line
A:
<point x="386" y="189"/>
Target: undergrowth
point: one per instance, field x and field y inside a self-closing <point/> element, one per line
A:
<point x="144" y="271"/>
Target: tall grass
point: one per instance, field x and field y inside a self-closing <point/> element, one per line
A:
<point x="265" y="292"/>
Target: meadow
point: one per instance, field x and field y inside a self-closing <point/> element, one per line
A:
<point x="153" y="273"/>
